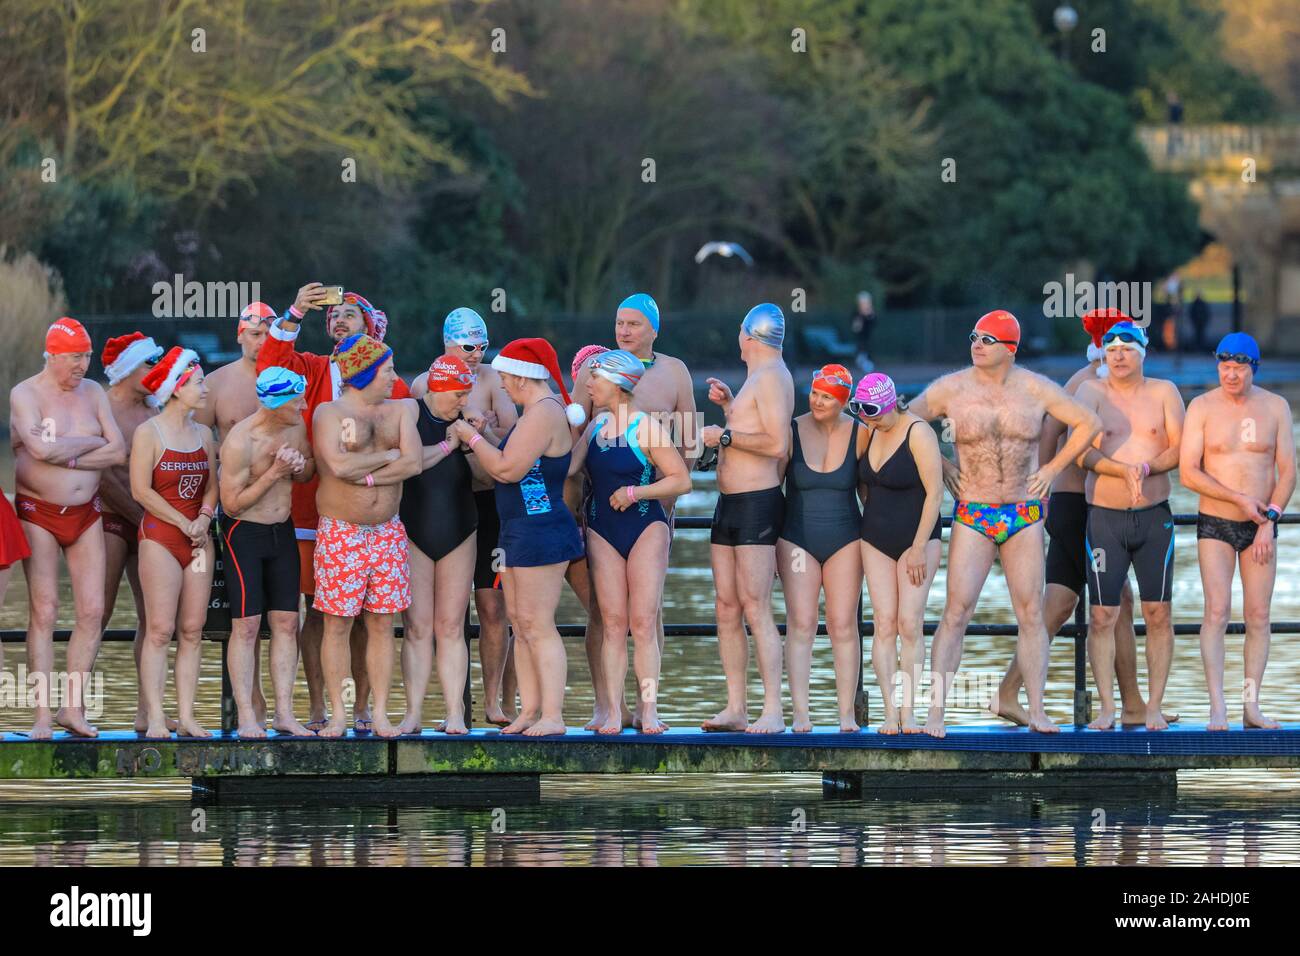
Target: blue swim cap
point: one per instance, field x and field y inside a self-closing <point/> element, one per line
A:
<point x="766" y="324"/>
<point x="1119" y="327"/>
<point x="464" y="327"/>
<point x="276" y="385"/>
<point x="640" y="302"/>
<point x="1239" y="343"/>
<point x="620" y="367"/>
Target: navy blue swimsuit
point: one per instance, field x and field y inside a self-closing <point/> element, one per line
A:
<point x="536" y="527"/>
<point x="613" y="464"/>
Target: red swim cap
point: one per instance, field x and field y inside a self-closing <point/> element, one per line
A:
<point x="448" y="373"/>
<point x="835" y="381"/>
<point x="67" y="337"/>
<point x="1003" y="326"/>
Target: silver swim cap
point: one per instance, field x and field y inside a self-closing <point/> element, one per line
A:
<point x="620" y="367"/>
<point x="464" y="327"/>
<point x="766" y="324"/>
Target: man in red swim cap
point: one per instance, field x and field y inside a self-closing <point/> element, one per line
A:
<point x="994" y="412"/>
<point x="64" y="436"/>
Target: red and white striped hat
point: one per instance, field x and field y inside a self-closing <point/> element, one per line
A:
<point x="536" y="358"/>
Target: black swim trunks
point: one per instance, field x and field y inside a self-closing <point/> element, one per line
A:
<point x="1118" y="538"/>
<point x="749" y="517"/>
<point x="486" y="576"/>
<point x="1239" y="534"/>
<point x="261" y="566"/>
<point x="1067" y="527"/>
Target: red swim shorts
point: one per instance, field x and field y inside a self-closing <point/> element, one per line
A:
<point x="361" y="567"/>
<point x="67" y="523"/>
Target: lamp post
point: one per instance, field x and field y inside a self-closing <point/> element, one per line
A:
<point x="1065" y="18"/>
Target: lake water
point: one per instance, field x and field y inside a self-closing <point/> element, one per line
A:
<point x="1215" y="818"/>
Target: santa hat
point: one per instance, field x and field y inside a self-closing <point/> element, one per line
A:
<point x="126" y="353"/>
<point x="536" y="358"/>
<point x="171" y="372"/>
<point x="1097" y="322"/>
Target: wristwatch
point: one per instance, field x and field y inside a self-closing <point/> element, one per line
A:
<point x="725" y="440"/>
<point x="1272" y="514"/>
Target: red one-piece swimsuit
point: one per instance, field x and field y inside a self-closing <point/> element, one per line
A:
<point x="181" y="477"/>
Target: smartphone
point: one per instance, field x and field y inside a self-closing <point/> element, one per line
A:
<point x="333" y="295"/>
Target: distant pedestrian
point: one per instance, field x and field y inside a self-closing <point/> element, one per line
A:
<point x="1199" y="314"/>
<point x="863" y="321"/>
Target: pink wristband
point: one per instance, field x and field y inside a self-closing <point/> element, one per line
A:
<point x="1146" y="469"/>
<point x="1274" y="507"/>
<point x="631" y="493"/>
<point x="72" y="463"/>
<point x="475" y="440"/>
<point x="446" y="449"/>
<point x="293" y="310"/>
<point x="206" y="510"/>
<point x="370" y="481"/>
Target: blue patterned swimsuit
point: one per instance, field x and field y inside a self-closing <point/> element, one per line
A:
<point x="537" y="528"/>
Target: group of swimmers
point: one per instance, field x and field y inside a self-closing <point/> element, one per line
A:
<point x="328" y="477"/>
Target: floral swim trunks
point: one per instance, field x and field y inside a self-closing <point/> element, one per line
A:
<point x="361" y="567"/>
<point x="999" y="522"/>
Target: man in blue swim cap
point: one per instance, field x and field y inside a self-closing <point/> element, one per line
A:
<point x="749" y="517"/>
<point x="261" y="459"/>
<point x="1239" y="455"/>
<point x="465" y="335"/>
<point x="666" y="393"/>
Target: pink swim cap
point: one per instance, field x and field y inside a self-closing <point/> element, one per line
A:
<point x="876" y="389"/>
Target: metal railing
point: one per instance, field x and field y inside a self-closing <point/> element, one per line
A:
<point x="866" y="628"/>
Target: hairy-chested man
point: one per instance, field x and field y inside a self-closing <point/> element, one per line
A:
<point x="995" y="411"/>
<point x="667" y="393"/>
<point x="365" y="446"/>
<point x="1238" y="454"/>
<point x="353" y="315"/>
<point x="465" y="335"/>
<point x="749" y="517"/>
<point x="1066" y="526"/>
<point x="1129" y="519"/>
<point x="63" y="436"/>
<point x="261" y="457"/>
<point x="126" y="360"/>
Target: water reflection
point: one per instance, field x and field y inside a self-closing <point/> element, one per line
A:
<point x="678" y="821"/>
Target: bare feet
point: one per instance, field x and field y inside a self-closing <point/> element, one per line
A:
<point x="142" y="723"/>
<point x="1041" y="723"/>
<point x="801" y="725"/>
<point x="934" y="725"/>
<point x="1136" y="716"/>
<point x="549" y="727"/>
<point x="191" y="728"/>
<point x="599" y="717"/>
<point x="612" y="725"/>
<point x="1012" y="710"/>
<point x="334" y="728"/>
<point x="1251" y="716"/>
<point x="1105" y="720"/>
<point x="156" y="731"/>
<point x="1218" y="717"/>
<point x="888" y="726"/>
<point x="651" y="724"/>
<point x="287" y="725"/>
<point x="251" y="731"/>
<point x="74" y="722"/>
<point x="849" y="726"/>
<point x="520" y="724"/>
<point x="726" y="721"/>
<point x="1156" y="720"/>
<point x="768" y="724"/>
<point x="411" y="724"/>
<point x="455" y="726"/>
<point x="382" y="727"/>
<point x="497" y="716"/>
<point x="909" y="724"/>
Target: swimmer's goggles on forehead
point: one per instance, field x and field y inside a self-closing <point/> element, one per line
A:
<point x="1128" y="338"/>
<point x="1241" y="358"/>
<point x="990" y="340"/>
<point x="834" y="380"/>
<point x="286" y="387"/>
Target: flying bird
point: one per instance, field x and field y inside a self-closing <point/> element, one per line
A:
<point x="724" y="249"/>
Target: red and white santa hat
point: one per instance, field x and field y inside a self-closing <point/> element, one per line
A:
<point x="126" y="353"/>
<point x="172" y="371"/>
<point x="536" y="358"/>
